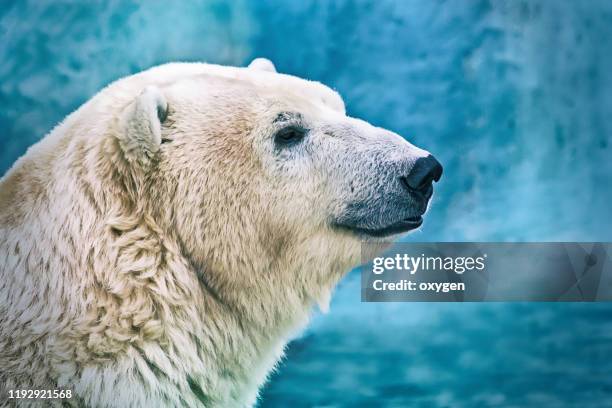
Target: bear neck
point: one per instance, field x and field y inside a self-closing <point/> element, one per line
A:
<point x="246" y="329"/>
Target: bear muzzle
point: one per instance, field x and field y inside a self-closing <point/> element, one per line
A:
<point x="400" y="203"/>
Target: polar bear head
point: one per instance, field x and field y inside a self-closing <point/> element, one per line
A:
<point x="173" y="232"/>
<point x="262" y="177"/>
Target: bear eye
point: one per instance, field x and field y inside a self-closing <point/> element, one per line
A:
<point x="289" y="136"/>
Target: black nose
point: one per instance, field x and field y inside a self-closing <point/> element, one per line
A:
<point x="425" y="171"/>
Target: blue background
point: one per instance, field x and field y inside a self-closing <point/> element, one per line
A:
<point x="514" y="97"/>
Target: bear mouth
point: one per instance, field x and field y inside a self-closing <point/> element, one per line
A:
<point x="402" y="226"/>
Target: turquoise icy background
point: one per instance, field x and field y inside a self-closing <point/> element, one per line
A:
<point x="514" y="97"/>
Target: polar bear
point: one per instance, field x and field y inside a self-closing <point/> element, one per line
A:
<point x="162" y="244"/>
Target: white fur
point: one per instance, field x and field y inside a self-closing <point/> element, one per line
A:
<point x="262" y="64"/>
<point x="140" y="273"/>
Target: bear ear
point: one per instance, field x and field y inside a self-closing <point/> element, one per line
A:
<point x="140" y="125"/>
<point x="262" y="64"/>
